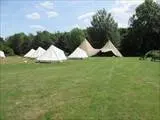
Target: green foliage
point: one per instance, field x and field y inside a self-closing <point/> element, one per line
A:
<point x="154" y="54"/>
<point x="68" y="41"/>
<point x="144" y="34"/>
<point x="22" y="43"/>
<point x="62" y="42"/>
<point x="16" y="42"/>
<point x="6" y="49"/>
<point x="76" y="37"/>
<point x="43" y="39"/>
<point x="123" y="33"/>
<point x="1" y="40"/>
<point x="103" y="28"/>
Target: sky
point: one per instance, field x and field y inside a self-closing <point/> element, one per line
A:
<point x="29" y="16"/>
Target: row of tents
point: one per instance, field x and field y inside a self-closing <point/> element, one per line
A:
<point x="83" y="51"/>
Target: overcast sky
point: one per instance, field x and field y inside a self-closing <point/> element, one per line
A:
<point x="29" y="16"/>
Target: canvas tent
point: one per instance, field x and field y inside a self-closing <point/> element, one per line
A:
<point x="38" y="52"/>
<point x="78" y="53"/>
<point x="110" y="47"/>
<point x="86" y="46"/>
<point x="2" y="55"/>
<point x="52" y="54"/>
<point x="29" y="53"/>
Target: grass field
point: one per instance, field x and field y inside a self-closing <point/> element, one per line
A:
<point x="92" y="89"/>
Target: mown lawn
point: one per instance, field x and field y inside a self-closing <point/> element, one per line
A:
<point x="92" y="89"/>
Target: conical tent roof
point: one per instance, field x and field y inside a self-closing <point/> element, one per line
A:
<point x="110" y="47"/>
<point x="78" y="53"/>
<point x="2" y="55"/>
<point x="52" y="54"/>
<point x="86" y="46"/>
<point x="38" y="52"/>
<point x="29" y="53"/>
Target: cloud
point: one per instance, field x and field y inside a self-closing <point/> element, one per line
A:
<point x="37" y="27"/>
<point x="87" y="21"/>
<point x="80" y="26"/>
<point x="33" y="16"/>
<point x="69" y="28"/>
<point x="51" y="14"/>
<point x="123" y="10"/>
<point x="47" y="4"/>
<point x="75" y="26"/>
<point x="86" y="15"/>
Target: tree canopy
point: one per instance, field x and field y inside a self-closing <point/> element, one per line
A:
<point x="144" y="31"/>
<point x="103" y="28"/>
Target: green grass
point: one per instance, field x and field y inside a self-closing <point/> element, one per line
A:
<point x="92" y="89"/>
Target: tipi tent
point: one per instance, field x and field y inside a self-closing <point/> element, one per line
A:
<point x="2" y="55"/>
<point x="52" y="54"/>
<point x="110" y="47"/>
<point x="86" y="46"/>
<point x="38" y="52"/>
<point x="78" y="53"/>
<point x="29" y="53"/>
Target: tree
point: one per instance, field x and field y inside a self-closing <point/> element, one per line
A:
<point x="103" y="28"/>
<point x="42" y="39"/>
<point x="26" y="45"/>
<point x="15" y="42"/>
<point x="1" y="43"/>
<point x="63" y="43"/>
<point x="1" y="40"/>
<point x="144" y="33"/>
<point x="123" y="41"/>
<point x="76" y="37"/>
<point x="7" y="50"/>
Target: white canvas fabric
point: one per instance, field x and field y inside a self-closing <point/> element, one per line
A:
<point x="110" y="47"/>
<point x="38" y="52"/>
<point x="2" y="55"/>
<point x="52" y="54"/>
<point x="86" y="46"/>
<point x="29" y="53"/>
<point x="78" y="53"/>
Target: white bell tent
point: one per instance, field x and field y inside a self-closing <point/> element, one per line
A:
<point x="38" y="52"/>
<point x="52" y="54"/>
<point x="78" y="53"/>
<point x="2" y="55"/>
<point x="110" y="47"/>
<point x="86" y="46"/>
<point x="29" y="53"/>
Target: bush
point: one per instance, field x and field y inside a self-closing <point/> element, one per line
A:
<point x="153" y="54"/>
<point x="7" y="50"/>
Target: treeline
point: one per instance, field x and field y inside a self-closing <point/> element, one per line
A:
<point x="142" y="35"/>
<point x="21" y="43"/>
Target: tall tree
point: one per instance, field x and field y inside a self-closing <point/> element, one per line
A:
<point x="103" y="28"/>
<point x="76" y="37"/>
<point x="6" y="49"/>
<point x="1" y="40"/>
<point x="27" y="44"/>
<point x="42" y="39"/>
<point x="144" y="34"/>
<point x="16" y="41"/>
<point x="63" y="43"/>
<point x="1" y="43"/>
